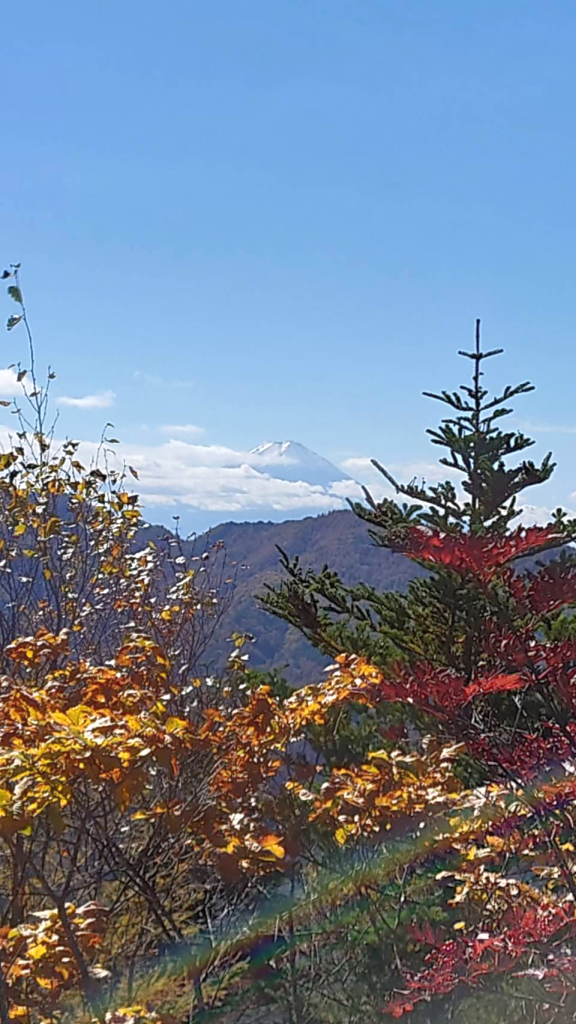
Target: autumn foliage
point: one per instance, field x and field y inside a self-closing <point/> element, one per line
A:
<point x="392" y="840"/>
<point x="99" y="745"/>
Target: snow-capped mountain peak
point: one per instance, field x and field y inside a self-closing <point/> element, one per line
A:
<point x="278" y="449"/>
<point x="290" y="460"/>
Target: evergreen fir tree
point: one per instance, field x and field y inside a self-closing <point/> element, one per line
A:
<point x="442" y="617"/>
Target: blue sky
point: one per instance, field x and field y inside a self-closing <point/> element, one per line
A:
<point x="280" y="219"/>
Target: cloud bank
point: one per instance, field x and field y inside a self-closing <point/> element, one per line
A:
<point x="219" y="479"/>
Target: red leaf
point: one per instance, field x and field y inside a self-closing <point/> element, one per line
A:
<point x="495" y="684"/>
<point x="399" y="1007"/>
<point x="483" y="556"/>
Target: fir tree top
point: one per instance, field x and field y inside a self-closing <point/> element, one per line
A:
<point x="477" y="448"/>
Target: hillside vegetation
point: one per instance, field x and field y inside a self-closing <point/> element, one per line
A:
<point x="396" y="840"/>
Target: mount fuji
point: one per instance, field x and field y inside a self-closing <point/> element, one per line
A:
<point x="292" y="461"/>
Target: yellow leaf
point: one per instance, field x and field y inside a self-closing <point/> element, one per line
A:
<point x="37" y="952"/>
<point x="61" y="718"/>
<point x="175" y="724"/>
<point x="495" y="842"/>
<point x="459" y="926"/>
<point x="277" y="851"/>
<point x="20" y="529"/>
<point x="272" y="845"/>
<point x="80" y="715"/>
<point x="340" y="836"/>
<point x="52" y="526"/>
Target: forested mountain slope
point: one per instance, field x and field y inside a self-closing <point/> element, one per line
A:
<point x="338" y="539"/>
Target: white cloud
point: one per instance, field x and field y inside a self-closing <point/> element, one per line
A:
<point x="538" y="515"/>
<point x="101" y="400"/>
<point x="9" y="383"/>
<point x="358" y="466"/>
<point x="182" y="429"/>
<point x="347" y="489"/>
